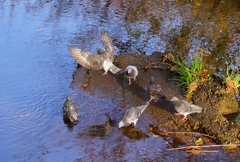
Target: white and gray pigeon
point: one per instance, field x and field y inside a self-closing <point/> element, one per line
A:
<point x="184" y="108"/>
<point x="131" y="72"/>
<point x="131" y="115"/>
<point x="155" y="91"/>
<point x="102" y="60"/>
<point x="70" y="110"/>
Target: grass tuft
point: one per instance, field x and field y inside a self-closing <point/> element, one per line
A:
<point x="188" y="74"/>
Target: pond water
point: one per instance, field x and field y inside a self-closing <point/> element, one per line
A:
<point x="36" y="70"/>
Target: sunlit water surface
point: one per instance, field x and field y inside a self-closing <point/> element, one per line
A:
<point x="36" y="71"/>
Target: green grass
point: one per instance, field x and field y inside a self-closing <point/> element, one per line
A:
<point x="187" y="75"/>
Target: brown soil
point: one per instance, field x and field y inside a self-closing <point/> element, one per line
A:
<point x="209" y="96"/>
<point x="213" y="94"/>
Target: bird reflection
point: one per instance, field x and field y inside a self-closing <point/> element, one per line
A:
<point x="69" y="124"/>
<point x="100" y="130"/>
<point x="133" y="132"/>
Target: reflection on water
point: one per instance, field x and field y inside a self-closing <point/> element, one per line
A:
<point x="99" y="130"/>
<point x="36" y="68"/>
<point x="133" y="132"/>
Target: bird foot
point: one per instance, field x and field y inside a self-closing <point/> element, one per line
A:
<point x="129" y="83"/>
<point x="134" y="79"/>
<point x="177" y="114"/>
<point x="155" y="100"/>
<point x="184" y="118"/>
<point x="105" y="73"/>
<point x="149" y="100"/>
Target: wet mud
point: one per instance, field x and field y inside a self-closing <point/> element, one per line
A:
<point x="116" y="89"/>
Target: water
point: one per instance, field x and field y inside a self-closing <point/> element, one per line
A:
<point x="36" y="71"/>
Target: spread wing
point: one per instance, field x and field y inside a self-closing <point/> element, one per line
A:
<point x="107" y="42"/>
<point x="87" y="59"/>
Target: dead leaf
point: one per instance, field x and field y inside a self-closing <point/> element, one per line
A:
<point x="189" y="96"/>
<point x="231" y="147"/>
<point x="230" y="84"/>
<point x="199" y="142"/>
<point x="204" y="74"/>
<point x="194" y="85"/>
<point x="169" y="57"/>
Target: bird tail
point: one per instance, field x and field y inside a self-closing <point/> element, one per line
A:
<point x="114" y="69"/>
<point x="197" y="109"/>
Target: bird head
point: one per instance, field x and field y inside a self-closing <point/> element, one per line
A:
<point x="129" y="70"/>
<point x="121" y="124"/>
<point x="68" y="99"/>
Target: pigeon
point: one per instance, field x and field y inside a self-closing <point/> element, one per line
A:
<point x="70" y="110"/>
<point x="102" y="60"/>
<point x="131" y="115"/>
<point x="131" y="72"/>
<point x="154" y="91"/>
<point x="184" y="108"/>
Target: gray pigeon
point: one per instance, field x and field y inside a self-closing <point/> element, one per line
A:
<point x="154" y="91"/>
<point x="131" y="115"/>
<point x="102" y="60"/>
<point x="131" y="72"/>
<point x="184" y="108"/>
<point x="70" y="110"/>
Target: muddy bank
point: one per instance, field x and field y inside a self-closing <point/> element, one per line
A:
<point x="116" y="89"/>
<point x="215" y="95"/>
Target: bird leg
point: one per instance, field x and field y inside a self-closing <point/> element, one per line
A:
<point x="177" y="114"/>
<point x="155" y="100"/>
<point x="105" y="73"/>
<point x="184" y="118"/>
<point x="129" y="82"/>
<point x="134" y="79"/>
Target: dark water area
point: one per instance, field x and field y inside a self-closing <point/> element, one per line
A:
<point x="36" y="71"/>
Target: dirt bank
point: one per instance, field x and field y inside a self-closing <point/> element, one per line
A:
<point x="116" y="88"/>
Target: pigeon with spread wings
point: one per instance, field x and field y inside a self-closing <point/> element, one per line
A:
<point x="102" y="60"/>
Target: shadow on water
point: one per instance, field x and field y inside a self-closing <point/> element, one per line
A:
<point x="36" y="70"/>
